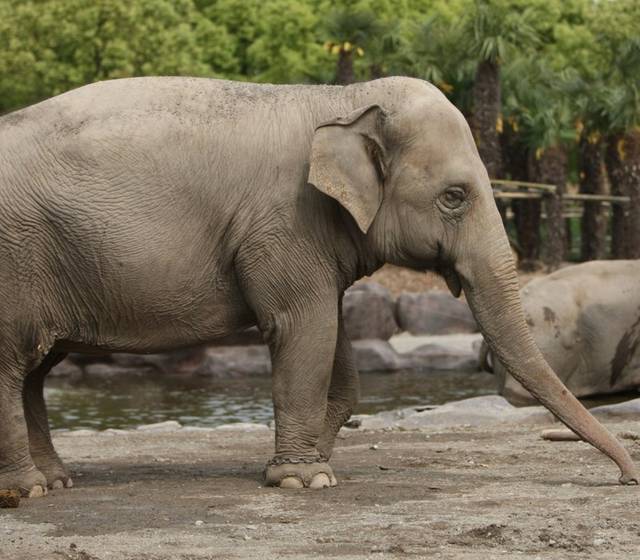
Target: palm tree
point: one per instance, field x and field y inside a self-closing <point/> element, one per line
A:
<point x="493" y="35"/>
<point x="537" y="133"/>
<point x="592" y="175"/>
<point x="434" y="53"/>
<point x="588" y="93"/>
<point x="350" y="28"/>
<point x="622" y="107"/>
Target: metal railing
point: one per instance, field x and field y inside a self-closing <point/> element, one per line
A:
<point x="509" y="190"/>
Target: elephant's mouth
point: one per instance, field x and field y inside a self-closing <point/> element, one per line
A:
<point x="448" y="272"/>
<point x="445" y="268"/>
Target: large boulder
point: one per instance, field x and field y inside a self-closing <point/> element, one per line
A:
<point x="377" y="355"/>
<point x="435" y="353"/>
<point x="248" y="337"/>
<point x="66" y="368"/>
<point x="449" y="352"/>
<point x="369" y="312"/>
<point x="235" y="361"/>
<point x="628" y="410"/>
<point x="434" y="312"/>
<point x="184" y="361"/>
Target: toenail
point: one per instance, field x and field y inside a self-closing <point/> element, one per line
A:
<point x="321" y="480"/>
<point x="291" y="482"/>
<point x="37" y="492"/>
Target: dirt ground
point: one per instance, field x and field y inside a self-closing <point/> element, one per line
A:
<point x="463" y="493"/>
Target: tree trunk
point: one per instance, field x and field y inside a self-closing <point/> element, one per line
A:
<point x="376" y="71"/>
<point x="551" y="168"/>
<point x="515" y="157"/>
<point x="487" y="106"/>
<point x="592" y="181"/>
<point x="344" y="71"/>
<point x="623" y="165"/>
<point x="526" y="215"/>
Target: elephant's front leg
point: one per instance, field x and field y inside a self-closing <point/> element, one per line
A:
<point x="302" y="350"/>
<point x="343" y="392"/>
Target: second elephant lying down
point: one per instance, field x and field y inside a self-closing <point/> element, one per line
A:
<point x="586" y="321"/>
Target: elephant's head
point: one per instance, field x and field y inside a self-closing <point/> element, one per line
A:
<point x="410" y="176"/>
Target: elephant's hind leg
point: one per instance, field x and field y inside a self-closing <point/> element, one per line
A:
<point x="343" y="392"/>
<point x="40" y="445"/>
<point x="17" y="469"/>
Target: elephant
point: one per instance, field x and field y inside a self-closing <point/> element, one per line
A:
<point x="586" y="321"/>
<point x="147" y="214"/>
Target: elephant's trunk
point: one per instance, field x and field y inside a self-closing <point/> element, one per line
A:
<point x="490" y="283"/>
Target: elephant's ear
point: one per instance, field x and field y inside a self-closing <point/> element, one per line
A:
<point x="348" y="162"/>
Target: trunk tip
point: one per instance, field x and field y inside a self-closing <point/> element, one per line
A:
<point x="629" y="478"/>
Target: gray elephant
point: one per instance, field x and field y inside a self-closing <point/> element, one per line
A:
<point x="586" y="321"/>
<point x="146" y="214"/>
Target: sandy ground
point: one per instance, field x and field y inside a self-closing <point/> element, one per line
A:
<point x="468" y="493"/>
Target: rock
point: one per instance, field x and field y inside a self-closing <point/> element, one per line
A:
<point x="9" y="498"/>
<point x="369" y="312"/>
<point x="243" y="427"/>
<point x="114" y="432"/>
<point x="434" y="312"/>
<point x="197" y="429"/>
<point x="80" y="433"/>
<point x="377" y="355"/>
<point x="438" y="352"/>
<point x="629" y="409"/>
<point x="559" y="434"/>
<point x="444" y="352"/>
<point x="487" y="410"/>
<point x="167" y="426"/>
<point x="110" y="369"/>
<point x="183" y="361"/>
<point x="66" y="368"/>
<point x="84" y="359"/>
<point x="248" y="337"/>
<point x="230" y="361"/>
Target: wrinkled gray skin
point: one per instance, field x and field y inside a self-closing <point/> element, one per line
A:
<point x="147" y="214"/>
<point x="586" y="321"/>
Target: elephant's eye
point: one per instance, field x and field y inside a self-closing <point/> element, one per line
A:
<point x="453" y="197"/>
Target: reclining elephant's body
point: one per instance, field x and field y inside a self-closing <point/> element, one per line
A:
<point x="145" y="214"/>
<point x="586" y="321"/>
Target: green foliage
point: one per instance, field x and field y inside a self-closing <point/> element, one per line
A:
<point x="285" y="48"/>
<point x="536" y="105"/>
<point x="563" y="61"/>
<point x="54" y="45"/>
<point x="495" y="30"/>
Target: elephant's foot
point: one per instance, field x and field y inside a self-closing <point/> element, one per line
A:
<point x="50" y="465"/>
<point x="289" y="472"/>
<point x="30" y="482"/>
<point x="56" y="475"/>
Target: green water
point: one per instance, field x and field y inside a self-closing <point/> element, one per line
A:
<point x="121" y="402"/>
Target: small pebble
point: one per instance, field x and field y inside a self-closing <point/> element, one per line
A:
<point x="374" y="447"/>
<point x="199" y="523"/>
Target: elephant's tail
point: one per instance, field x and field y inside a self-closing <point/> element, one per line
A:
<point x="485" y="358"/>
